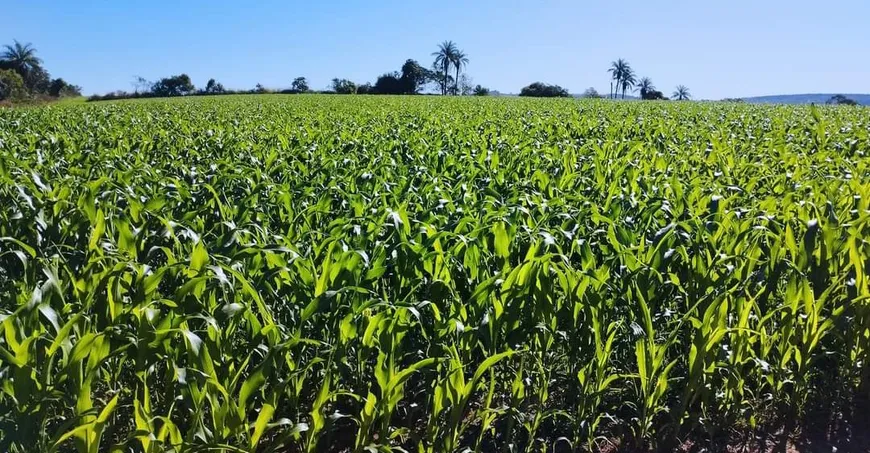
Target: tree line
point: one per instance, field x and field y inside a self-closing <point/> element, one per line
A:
<point x="624" y="77"/>
<point x="23" y="77"/>
<point x="444" y="75"/>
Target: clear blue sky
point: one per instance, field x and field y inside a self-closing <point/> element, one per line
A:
<point x="716" y="48"/>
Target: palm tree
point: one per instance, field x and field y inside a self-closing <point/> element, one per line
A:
<point x="444" y="58"/>
<point x="645" y="86"/>
<point x="460" y="59"/>
<point x="21" y="57"/>
<point x="623" y="75"/>
<point x="682" y="93"/>
<point x="617" y="70"/>
<point x="628" y="80"/>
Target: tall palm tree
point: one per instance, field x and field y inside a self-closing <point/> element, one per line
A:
<point x="645" y="86"/>
<point x="628" y="80"/>
<point x="617" y="70"/>
<point x="22" y="57"/>
<point x="444" y="57"/>
<point x="682" y="93"/>
<point x="460" y="59"/>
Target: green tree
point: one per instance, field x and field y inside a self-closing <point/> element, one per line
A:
<point x="480" y="90"/>
<point x="414" y="77"/>
<point x="38" y="80"/>
<point x="655" y="95"/>
<point x="592" y="93"/>
<point x="11" y="85"/>
<point x="465" y="85"/>
<point x="178" y="85"/>
<point x="444" y="57"/>
<point x="618" y="70"/>
<point x="22" y="59"/>
<point x="622" y="75"/>
<point x="141" y="84"/>
<point x="681" y="93"/>
<point x="839" y="99"/>
<point x="390" y="83"/>
<point x="539" y="89"/>
<point x="300" y="84"/>
<point x="460" y="59"/>
<point x="441" y="80"/>
<point x="343" y="86"/>
<point x="214" y="86"/>
<point x="644" y="86"/>
<point x="628" y="80"/>
<point x="60" y="88"/>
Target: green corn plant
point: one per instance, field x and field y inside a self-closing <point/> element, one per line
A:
<point x="453" y="395"/>
<point x="267" y="273"/>
<point x="653" y="370"/>
<point x="594" y="378"/>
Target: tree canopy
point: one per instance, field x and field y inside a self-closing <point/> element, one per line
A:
<point x="543" y="90"/>
<point x="300" y="84"/>
<point x="648" y="90"/>
<point x="11" y="85"/>
<point x="390" y="83"/>
<point x="592" y="93"/>
<point x="343" y="86"/>
<point x="178" y="85"/>
<point x="682" y="93"/>
<point x="444" y="58"/>
<point x="414" y="77"/>
<point x="214" y="87"/>
<point x="623" y="76"/>
<point x="839" y="99"/>
<point x="480" y="90"/>
<point x="60" y="87"/>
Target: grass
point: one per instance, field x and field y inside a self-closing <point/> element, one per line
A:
<point x="325" y="273"/>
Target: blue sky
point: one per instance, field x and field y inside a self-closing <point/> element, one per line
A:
<point x="716" y="48"/>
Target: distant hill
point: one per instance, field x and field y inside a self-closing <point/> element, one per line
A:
<point x="818" y="98"/>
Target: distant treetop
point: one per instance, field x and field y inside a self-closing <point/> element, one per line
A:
<point x="543" y="90"/>
<point x="839" y="99"/>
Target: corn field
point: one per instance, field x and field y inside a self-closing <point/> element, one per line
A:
<point x="360" y="274"/>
